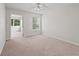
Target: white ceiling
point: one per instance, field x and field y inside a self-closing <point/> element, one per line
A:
<point x="30" y="6"/>
<point x="21" y="6"/>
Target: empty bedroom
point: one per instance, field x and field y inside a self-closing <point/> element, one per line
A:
<point x="39" y="29"/>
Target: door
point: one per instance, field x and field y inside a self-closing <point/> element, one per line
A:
<point x="36" y="24"/>
<point x="16" y="25"/>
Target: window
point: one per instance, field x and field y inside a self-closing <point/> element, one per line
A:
<point x="15" y="22"/>
<point x="11" y="22"/>
<point x="35" y="25"/>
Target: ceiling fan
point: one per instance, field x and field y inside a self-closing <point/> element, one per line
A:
<point x="40" y="6"/>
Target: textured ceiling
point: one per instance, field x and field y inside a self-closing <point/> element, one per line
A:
<point x="30" y="6"/>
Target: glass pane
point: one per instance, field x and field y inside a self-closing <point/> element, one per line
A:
<point x="16" y="22"/>
<point x="11" y="22"/>
<point x="35" y="25"/>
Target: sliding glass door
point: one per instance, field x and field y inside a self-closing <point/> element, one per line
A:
<point x="36" y="23"/>
<point x="32" y="24"/>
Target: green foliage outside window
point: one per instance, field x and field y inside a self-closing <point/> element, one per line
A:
<point x="11" y="22"/>
<point x="15" y="22"/>
<point x="35" y="25"/>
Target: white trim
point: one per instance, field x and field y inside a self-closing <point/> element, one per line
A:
<point x="2" y="47"/>
<point x="70" y="42"/>
<point x="0" y="51"/>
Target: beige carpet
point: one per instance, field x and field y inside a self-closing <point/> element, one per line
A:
<point x="39" y="46"/>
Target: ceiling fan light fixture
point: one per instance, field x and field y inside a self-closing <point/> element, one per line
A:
<point x="37" y="9"/>
<point x="39" y="6"/>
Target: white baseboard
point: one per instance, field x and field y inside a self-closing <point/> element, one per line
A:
<point x="2" y="48"/>
<point x="70" y="42"/>
<point x="0" y="51"/>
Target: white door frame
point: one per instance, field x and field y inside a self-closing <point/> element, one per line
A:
<point x="8" y="21"/>
<point x="21" y="23"/>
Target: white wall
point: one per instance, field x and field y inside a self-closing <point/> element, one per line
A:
<point x="2" y="26"/>
<point x="62" y="22"/>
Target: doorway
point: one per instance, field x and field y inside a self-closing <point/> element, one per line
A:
<point x="16" y="26"/>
